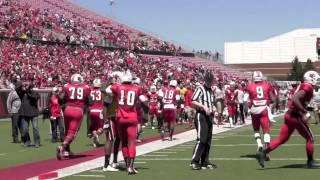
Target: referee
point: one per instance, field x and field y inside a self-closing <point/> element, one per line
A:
<point x="203" y="101"/>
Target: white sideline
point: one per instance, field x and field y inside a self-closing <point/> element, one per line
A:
<point x="222" y="159"/>
<point x="141" y="150"/>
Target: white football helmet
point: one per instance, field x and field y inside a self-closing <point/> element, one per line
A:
<point x="136" y="81"/>
<point x="232" y="84"/>
<point x="76" y="79"/>
<point x="257" y="76"/>
<point x="55" y="89"/>
<point x="126" y="77"/>
<point x="153" y="88"/>
<point x="97" y="83"/>
<point x="311" y="77"/>
<point x="173" y="83"/>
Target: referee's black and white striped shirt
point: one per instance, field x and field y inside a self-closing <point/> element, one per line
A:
<point x="204" y="96"/>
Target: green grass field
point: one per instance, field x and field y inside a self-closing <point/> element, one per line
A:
<point x="15" y="154"/>
<point x="233" y="153"/>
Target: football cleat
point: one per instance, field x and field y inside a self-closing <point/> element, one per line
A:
<point x="110" y="169"/>
<point x="209" y="165"/>
<point x="313" y="164"/>
<point x="115" y="165"/>
<point x="132" y="171"/>
<point x="195" y="166"/>
<point x="60" y="153"/>
<point x="162" y="135"/>
<point x="260" y="158"/>
<point x="267" y="157"/>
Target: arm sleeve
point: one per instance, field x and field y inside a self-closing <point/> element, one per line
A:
<point x="109" y="90"/>
<point x="178" y="97"/>
<point x="197" y="93"/>
<point x="160" y="94"/>
<point x="9" y="102"/>
<point x="143" y="98"/>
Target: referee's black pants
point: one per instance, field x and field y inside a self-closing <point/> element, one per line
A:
<point x="203" y="124"/>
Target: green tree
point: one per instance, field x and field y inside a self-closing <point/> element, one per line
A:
<point x="308" y="66"/>
<point x="296" y="72"/>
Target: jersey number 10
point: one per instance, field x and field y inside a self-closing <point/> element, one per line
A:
<point x="130" y="98"/>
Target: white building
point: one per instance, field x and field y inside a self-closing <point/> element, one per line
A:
<point x="278" y="49"/>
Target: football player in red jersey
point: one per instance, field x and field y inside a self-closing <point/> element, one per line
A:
<point x="169" y="97"/>
<point x="189" y="110"/>
<point x="153" y="104"/>
<point x="75" y="95"/>
<point x="231" y="95"/>
<point x="260" y="94"/>
<point x="127" y="96"/>
<point x="296" y="118"/>
<point x="137" y="82"/>
<point x="95" y="112"/>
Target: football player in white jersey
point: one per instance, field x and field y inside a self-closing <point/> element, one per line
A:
<point x="316" y="104"/>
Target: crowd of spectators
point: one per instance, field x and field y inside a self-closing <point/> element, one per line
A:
<point x="73" y="48"/>
<point x="22" y="21"/>
<point x="46" y="65"/>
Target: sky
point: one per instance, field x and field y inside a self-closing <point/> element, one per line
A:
<point x="208" y="24"/>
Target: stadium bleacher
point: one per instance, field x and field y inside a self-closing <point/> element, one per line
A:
<point x="53" y="20"/>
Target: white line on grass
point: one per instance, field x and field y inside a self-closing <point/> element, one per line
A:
<point x="245" y="135"/>
<point x="140" y="162"/>
<point x="155" y="155"/>
<point x="90" y="176"/>
<point x="173" y="150"/>
<point x="222" y="159"/>
<point x="3" y="154"/>
<point x="181" y="147"/>
<point x="237" y="145"/>
<point x="96" y="170"/>
<point x="164" y="152"/>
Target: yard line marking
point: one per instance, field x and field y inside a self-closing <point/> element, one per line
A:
<point x="227" y="134"/>
<point x="174" y="149"/>
<point x="3" y="154"/>
<point x="164" y="152"/>
<point x="245" y="135"/>
<point x="141" y="162"/>
<point x="96" y="170"/>
<point x="181" y="147"/>
<point x="89" y="176"/>
<point x="155" y="155"/>
<point x="187" y="145"/>
<point x="223" y="159"/>
<point x="219" y="137"/>
<point x="232" y="145"/>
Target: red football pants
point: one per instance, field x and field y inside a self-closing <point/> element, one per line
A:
<point x="96" y="121"/>
<point x="128" y="134"/>
<point x="72" y="120"/>
<point x="262" y="120"/>
<point x="232" y="109"/>
<point x="292" y="122"/>
<point x="169" y="116"/>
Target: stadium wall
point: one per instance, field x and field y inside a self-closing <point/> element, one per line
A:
<point x="278" y="49"/>
<point x="274" y="70"/>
